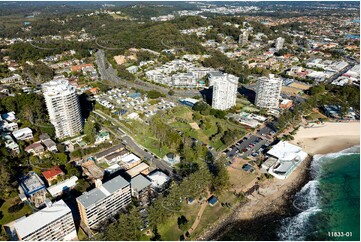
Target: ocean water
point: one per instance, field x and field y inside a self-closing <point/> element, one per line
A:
<point x="329" y="202"/>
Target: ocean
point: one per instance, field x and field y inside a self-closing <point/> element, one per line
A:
<point x="329" y="204"/>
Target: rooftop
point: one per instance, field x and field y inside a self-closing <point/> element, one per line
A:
<point x="137" y="169"/>
<point x="286" y="151"/>
<point x="139" y="182"/>
<point x="62" y="186"/>
<point x="57" y="87"/>
<point x="158" y="178"/>
<point x="32" y="223"/>
<point x="97" y="194"/>
<point x="52" y="172"/>
<point x="31" y="183"/>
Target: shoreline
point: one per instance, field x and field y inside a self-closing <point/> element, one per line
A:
<point x="328" y="138"/>
<point x="273" y="202"/>
<point x="263" y="212"/>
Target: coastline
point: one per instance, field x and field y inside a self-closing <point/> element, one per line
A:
<point x="328" y="138"/>
<point x="258" y="218"/>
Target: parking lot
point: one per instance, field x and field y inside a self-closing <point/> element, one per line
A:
<point x="251" y="146"/>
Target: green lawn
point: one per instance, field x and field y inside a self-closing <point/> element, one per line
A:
<point x="212" y="214"/>
<point x="8" y="217"/>
<point x="169" y="229"/>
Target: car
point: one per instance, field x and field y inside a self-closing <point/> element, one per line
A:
<point x="251" y="145"/>
<point x="245" y="150"/>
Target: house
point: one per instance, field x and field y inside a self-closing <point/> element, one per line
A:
<point x="10" y="116"/>
<point x="101" y="137"/>
<point x="101" y="155"/>
<point x="58" y="189"/>
<point x="115" y="157"/>
<point x="286" y="104"/>
<point x="35" y="148"/>
<point x="140" y="187"/>
<point x="212" y="200"/>
<point x="23" y="134"/>
<point x="48" y="143"/>
<point x="142" y="168"/>
<point x="52" y="174"/>
<point x="7" y="126"/>
<point x="129" y="161"/>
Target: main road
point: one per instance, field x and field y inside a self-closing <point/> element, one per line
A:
<point x="107" y="72"/>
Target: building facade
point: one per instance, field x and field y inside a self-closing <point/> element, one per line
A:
<point x="104" y="201"/>
<point x="53" y="223"/>
<point x="279" y="43"/>
<point x="63" y="107"/>
<point x="224" y="90"/>
<point x="268" y="92"/>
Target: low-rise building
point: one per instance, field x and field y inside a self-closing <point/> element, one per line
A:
<point x="33" y="187"/>
<point x="129" y="161"/>
<point x="23" y="134"/>
<point x="116" y="157"/>
<point x="288" y="157"/>
<point x="53" y="223"/>
<point x="58" y="189"/>
<point x="158" y="179"/>
<point x="52" y="174"/>
<point x="141" y="168"/>
<point x="286" y="104"/>
<point x="35" y="148"/>
<point x="104" y="201"/>
<point x="101" y="137"/>
<point x="140" y="187"/>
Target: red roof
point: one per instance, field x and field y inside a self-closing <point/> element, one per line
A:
<point x="52" y="172"/>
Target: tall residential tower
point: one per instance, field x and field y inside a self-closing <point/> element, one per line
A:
<point x="268" y="92"/>
<point x="224" y="90"/>
<point x="63" y="107"/>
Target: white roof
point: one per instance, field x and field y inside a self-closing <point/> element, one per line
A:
<point x="286" y="151"/>
<point x="158" y="178"/>
<point x="39" y="219"/>
<point x="21" y="132"/>
<point x="131" y="158"/>
<point x="56" y="189"/>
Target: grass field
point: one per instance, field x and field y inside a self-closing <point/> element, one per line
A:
<point x="8" y="217"/>
<point x="203" y="134"/>
<point x="169" y="230"/>
<point x="212" y="214"/>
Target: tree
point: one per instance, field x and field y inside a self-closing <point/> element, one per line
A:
<point x="127" y="228"/>
<point x="90" y="131"/>
<point x="182" y="222"/>
<point x="171" y="92"/>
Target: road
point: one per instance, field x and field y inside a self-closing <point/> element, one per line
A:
<point x="138" y="149"/>
<point x="107" y="72"/>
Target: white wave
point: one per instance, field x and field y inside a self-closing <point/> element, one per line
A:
<point x="295" y="228"/>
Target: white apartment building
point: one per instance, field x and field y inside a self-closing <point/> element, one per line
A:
<point x="104" y="201"/>
<point x="224" y="90"/>
<point x="53" y="223"/>
<point x="279" y="43"/>
<point x="243" y="38"/>
<point x="63" y="107"/>
<point x="268" y="92"/>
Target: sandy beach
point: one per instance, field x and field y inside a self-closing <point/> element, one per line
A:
<point x="327" y="138"/>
